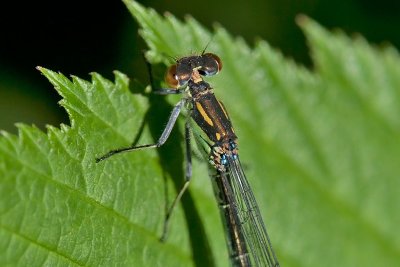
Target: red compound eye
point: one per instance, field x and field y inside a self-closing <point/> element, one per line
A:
<point x="211" y="64"/>
<point x="216" y="59"/>
<point x="170" y="77"/>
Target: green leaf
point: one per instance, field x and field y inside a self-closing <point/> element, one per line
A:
<point x="319" y="147"/>
<point x="58" y="207"/>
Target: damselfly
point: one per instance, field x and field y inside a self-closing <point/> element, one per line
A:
<point x="247" y="238"/>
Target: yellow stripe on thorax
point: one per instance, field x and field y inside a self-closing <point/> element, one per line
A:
<point x="204" y="114"/>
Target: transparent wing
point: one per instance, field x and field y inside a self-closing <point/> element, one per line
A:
<point x="254" y="231"/>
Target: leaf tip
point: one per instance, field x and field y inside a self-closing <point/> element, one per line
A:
<point x="42" y="70"/>
<point x="302" y="20"/>
<point x="134" y="7"/>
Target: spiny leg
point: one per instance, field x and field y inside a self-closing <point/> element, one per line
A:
<point x="188" y="176"/>
<point x="164" y="136"/>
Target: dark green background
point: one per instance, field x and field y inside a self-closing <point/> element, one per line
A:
<point x="78" y="37"/>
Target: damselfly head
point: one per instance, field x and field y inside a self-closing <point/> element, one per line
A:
<point x="179" y="74"/>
